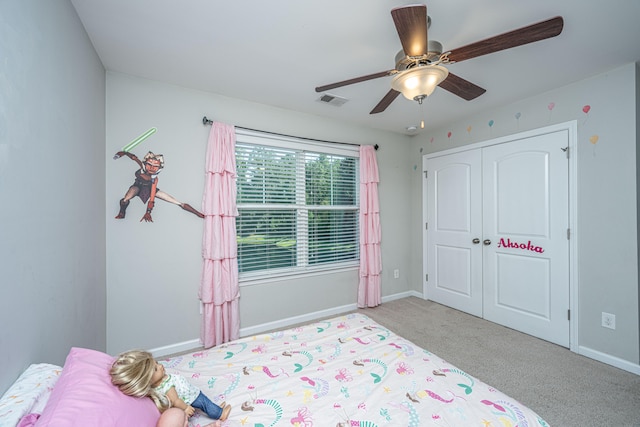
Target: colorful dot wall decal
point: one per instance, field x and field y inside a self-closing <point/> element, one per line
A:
<point x="586" y="110"/>
<point x="550" y="107"/>
<point x="594" y="140"/>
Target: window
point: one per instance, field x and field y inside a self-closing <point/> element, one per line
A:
<point x="297" y="204"/>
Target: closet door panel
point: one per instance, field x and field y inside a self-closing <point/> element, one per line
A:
<point x="454" y="220"/>
<point x="526" y="217"/>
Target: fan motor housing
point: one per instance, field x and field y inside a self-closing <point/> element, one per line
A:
<point x="404" y="62"/>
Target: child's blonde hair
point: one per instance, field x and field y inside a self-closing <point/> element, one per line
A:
<point x="131" y="372"/>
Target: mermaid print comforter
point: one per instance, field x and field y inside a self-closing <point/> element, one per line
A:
<point x="345" y="372"/>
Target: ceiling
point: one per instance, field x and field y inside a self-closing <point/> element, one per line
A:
<point x="276" y="52"/>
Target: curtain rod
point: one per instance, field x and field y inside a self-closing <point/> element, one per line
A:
<point x="206" y="121"/>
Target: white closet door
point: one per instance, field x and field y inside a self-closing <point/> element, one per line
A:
<point x="526" y="218"/>
<point x="454" y="221"/>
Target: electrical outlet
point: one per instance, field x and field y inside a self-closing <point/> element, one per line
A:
<point x="396" y="273"/>
<point x="608" y="320"/>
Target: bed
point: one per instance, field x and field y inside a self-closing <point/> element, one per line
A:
<point x="347" y="371"/>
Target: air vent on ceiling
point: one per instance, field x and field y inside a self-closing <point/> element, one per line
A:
<point x="334" y="100"/>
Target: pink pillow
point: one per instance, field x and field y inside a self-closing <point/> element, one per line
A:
<point x="28" y="420"/>
<point x="84" y="396"/>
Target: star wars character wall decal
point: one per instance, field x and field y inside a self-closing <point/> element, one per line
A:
<point x="145" y="185"/>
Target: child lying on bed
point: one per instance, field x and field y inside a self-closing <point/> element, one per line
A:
<point x="137" y="373"/>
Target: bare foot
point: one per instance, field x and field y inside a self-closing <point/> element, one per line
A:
<point x="215" y="424"/>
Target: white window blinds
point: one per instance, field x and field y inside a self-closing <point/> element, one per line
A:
<point x="297" y="205"/>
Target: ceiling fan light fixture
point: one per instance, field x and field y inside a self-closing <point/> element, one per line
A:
<point x="419" y="82"/>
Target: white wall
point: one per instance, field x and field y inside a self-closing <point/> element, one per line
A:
<point x="52" y="243"/>
<point x="153" y="269"/>
<point x="607" y="229"/>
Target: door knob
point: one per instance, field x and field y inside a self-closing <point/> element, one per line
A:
<point x="476" y="241"/>
<point x="487" y="242"/>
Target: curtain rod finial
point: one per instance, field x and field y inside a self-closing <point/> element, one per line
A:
<point x="206" y="121"/>
<point x="375" y="147"/>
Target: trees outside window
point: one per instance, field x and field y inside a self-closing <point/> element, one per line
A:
<point x="298" y="209"/>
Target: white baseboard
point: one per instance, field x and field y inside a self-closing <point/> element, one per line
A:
<point x="304" y="318"/>
<point x="403" y="295"/>
<point x="310" y="317"/>
<point x="625" y="365"/>
<point x="181" y="347"/>
<point x="193" y="345"/>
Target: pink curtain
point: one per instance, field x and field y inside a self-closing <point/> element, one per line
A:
<point x="219" y="290"/>
<point x="369" y="294"/>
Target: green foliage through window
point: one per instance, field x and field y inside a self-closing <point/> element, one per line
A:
<point x="297" y="209"/>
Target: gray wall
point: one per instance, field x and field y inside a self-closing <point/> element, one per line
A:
<point x="63" y="255"/>
<point x="607" y="198"/>
<point x="637" y="121"/>
<point x="52" y="242"/>
<point x="153" y="269"/>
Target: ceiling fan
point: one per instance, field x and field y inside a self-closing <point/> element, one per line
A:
<point x="419" y="67"/>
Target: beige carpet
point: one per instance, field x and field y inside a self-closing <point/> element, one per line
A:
<point x="564" y="388"/>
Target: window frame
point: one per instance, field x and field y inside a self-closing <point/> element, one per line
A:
<point x="246" y="136"/>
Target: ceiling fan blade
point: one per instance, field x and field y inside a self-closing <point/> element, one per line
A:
<point x="355" y="80"/>
<point x="461" y="87"/>
<point x="385" y="102"/>
<point x="529" y="34"/>
<point x="411" y="24"/>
